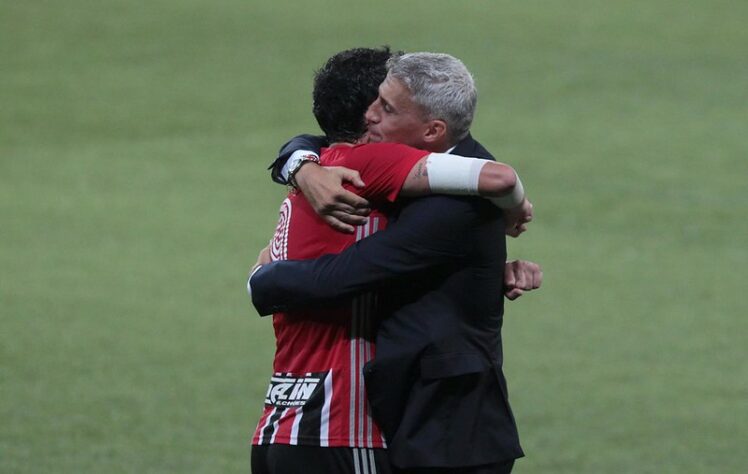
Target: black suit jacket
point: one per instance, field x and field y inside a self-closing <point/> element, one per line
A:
<point x="436" y="385"/>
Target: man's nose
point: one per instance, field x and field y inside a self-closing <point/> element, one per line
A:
<point x="371" y="115"/>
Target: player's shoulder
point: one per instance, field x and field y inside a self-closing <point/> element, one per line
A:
<point x="341" y="153"/>
<point x="386" y="149"/>
<point x="378" y="155"/>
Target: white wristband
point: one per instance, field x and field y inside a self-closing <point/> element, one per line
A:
<point x="513" y="199"/>
<point x="453" y="174"/>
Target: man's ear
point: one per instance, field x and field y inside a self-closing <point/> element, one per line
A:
<point x="436" y="131"/>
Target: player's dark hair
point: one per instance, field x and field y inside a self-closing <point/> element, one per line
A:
<point x="344" y="88"/>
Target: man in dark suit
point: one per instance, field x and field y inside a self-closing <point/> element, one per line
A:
<point x="436" y="385"/>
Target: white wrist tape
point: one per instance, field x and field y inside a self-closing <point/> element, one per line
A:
<point x="513" y="199"/>
<point x="453" y="174"/>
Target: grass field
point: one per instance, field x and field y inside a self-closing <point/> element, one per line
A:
<point x="133" y="198"/>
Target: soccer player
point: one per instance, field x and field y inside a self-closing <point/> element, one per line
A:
<point x="316" y="416"/>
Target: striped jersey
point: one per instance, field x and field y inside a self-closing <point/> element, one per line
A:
<point x="316" y="395"/>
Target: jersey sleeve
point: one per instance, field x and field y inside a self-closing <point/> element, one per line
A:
<point x="383" y="168"/>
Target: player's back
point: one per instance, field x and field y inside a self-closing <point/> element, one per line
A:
<point x="316" y="395"/>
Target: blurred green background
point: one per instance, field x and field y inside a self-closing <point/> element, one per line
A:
<point x="134" y="197"/>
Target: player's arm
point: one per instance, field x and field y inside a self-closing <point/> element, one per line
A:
<point x="430" y="232"/>
<point x="436" y="173"/>
<point x="441" y="173"/>
<point x="298" y="165"/>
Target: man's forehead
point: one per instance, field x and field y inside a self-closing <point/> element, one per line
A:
<point x="393" y="87"/>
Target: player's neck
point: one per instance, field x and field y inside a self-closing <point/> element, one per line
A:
<point x="342" y="144"/>
<point x="362" y="140"/>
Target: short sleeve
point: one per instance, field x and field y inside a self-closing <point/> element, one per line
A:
<point x="383" y="168"/>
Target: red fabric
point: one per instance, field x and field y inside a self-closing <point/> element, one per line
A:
<point x="333" y="343"/>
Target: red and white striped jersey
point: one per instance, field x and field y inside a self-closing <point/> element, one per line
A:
<point x="316" y="395"/>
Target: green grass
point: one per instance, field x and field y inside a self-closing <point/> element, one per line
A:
<point x="134" y="197"/>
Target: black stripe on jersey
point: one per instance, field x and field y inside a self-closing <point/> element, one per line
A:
<point x="267" y="432"/>
<point x="311" y="421"/>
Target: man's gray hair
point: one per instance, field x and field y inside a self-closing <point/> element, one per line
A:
<point x="442" y="86"/>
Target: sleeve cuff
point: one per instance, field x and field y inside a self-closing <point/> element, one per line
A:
<point x="249" y="280"/>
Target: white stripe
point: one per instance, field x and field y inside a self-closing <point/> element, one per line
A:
<point x="324" y="428"/>
<point x="359" y="371"/>
<point x="367" y="345"/>
<point x="265" y="425"/>
<point x="275" y="426"/>
<point x="356" y="467"/>
<point x="352" y="403"/>
<point x="286" y="377"/>
<point x="360" y="353"/>
<point x="364" y="464"/>
<point x="372" y="464"/>
<point x="295" y="426"/>
<point x="285" y="231"/>
<point x="376" y="225"/>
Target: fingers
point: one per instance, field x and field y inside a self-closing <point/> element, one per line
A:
<point x="537" y="278"/>
<point x="264" y="257"/>
<point x="517" y="230"/>
<point x="513" y="232"/>
<point x="527" y="275"/>
<point x="517" y="219"/>
<point x="345" y="208"/>
<point x="338" y="207"/>
<point x="533" y="275"/>
<point x="509" y="278"/>
<point x="513" y="294"/>
<point x="352" y="201"/>
<point x="521" y="278"/>
<point x="339" y="225"/>
<point x="347" y="175"/>
<point x="528" y="213"/>
<point x="346" y="218"/>
<point x="353" y="177"/>
<point x="343" y="222"/>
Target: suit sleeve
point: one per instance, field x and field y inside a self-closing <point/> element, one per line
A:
<point x="300" y="142"/>
<point x="431" y="231"/>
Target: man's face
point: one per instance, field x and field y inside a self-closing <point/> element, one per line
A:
<point x="394" y="117"/>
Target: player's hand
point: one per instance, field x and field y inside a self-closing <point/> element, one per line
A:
<point x="517" y="219"/>
<point x="263" y="258"/>
<point x="323" y="188"/>
<point x="521" y="276"/>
